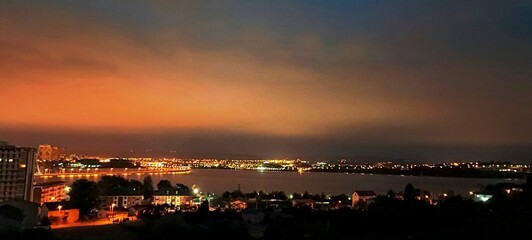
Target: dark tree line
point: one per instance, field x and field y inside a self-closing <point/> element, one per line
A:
<point x="505" y="216"/>
<point x="85" y="194"/>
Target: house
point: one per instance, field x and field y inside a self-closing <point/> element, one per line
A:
<point x="121" y="198"/>
<point x="238" y="205"/>
<point x="362" y="197"/>
<point x="55" y="191"/>
<point x="133" y="211"/>
<point x="303" y="203"/>
<point x="276" y="204"/>
<point x="481" y="196"/>
<point x="59" y="212"/>
<point x="180" y="195"/>
<point x="102" y="213"/>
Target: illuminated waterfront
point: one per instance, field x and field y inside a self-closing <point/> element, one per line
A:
<point x="218" y="181"/>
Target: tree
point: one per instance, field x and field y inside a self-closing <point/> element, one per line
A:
<point x="84" y="194"/>
<point x="390" y="194"/>
<point x="164" y="185"/>
<point x="306" y="195"/>
<point x="110" y="183"/>
<point x="148" y="188"/>
<point x="237" y="194"/>
<point x="204" y="207"/>
<point x="219" y="201"/>
<point x="226" y="195"/>
<point x="342" y="198"/>
<point x="136" y="185"/>
<point x="297" y="195"/>
<point x="277" y="195"/>
<point x="409" y="192"/>
<point x="251" y="195"/>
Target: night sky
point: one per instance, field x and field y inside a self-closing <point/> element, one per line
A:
<point x="422" y="80"/>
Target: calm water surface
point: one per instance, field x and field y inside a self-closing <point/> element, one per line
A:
<point x="218" y="181"/>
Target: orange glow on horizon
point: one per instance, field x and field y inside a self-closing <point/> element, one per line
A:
<point x="100" y="78"/>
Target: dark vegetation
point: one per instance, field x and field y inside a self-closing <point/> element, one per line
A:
<point x="85" y="194"/>
<point x="505" y="216"/>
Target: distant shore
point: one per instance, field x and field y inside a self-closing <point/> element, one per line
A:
<point x="430" y="172"/>
<point x="426" y="172"/>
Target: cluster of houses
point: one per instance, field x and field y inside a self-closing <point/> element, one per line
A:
<point x="127" y="203"/>
<point x="122" y="199"/>
<point x="50" y="201"/>
<point x="358" y="198"/>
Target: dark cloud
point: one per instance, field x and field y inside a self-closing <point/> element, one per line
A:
<point x="203" y="143"/>
<point x="418" y="79"/>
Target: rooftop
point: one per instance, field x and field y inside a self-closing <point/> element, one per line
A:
<point x="47" y="184"/>
<point x="51" y="206"/>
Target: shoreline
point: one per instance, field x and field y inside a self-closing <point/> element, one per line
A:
<point x="392" y="172"/>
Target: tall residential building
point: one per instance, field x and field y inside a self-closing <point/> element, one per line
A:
<point x="49" y="152"/>
<point x="50" y="192"/>
<point x="17" y="166"/>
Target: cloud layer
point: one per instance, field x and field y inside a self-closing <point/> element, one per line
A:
<point x="322" y="77"/>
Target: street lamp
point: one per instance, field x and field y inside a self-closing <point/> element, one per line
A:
<point x="59" y="208"/>
<point x="112" y="206"/>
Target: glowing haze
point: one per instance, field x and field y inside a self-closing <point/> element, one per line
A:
<point x="402" y="79"/>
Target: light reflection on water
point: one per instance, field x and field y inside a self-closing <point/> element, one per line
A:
<point x="218" y="181"/>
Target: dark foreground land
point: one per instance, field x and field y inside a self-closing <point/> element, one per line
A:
<point x="504" y="216"/>
<point x="102" y="232"/>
